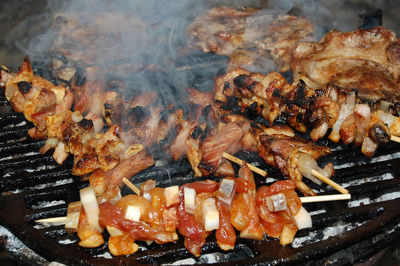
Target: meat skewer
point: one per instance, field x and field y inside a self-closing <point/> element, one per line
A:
<point x="311" y="199"/>
<point x="313" y="172"/>
<point x="264" y="202"/>
<point x="108" y="154"/>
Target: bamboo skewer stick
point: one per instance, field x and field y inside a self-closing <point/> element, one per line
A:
<point x="329" y="182"/>
<point x="240" y="162"/>
<point x="52" y="220"/>
<point x="325" y="198"/>
<point x="395" y="138"/>
<point x="131" y="186"/>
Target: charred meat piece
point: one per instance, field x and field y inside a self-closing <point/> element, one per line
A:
<point x="36" y="97"/>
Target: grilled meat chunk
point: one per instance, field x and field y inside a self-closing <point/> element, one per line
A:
<point x="248" y="34"/>
<point x="226" y="139"/>
<point x="366" y="60"/>
<point x="282" y="151"/>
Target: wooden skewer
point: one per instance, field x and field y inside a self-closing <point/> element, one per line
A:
<point x="240" y="162"/>
<point x="395" y="138"/>
<point x="325" y="198"/>
<point x="329" y="182"/>
<point x="52" y="220"/>
<point x="131" y="186"/>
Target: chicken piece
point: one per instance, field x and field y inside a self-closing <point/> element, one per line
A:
<point x="253" y="230"/>
<point x="268" y="95"/>
<point x="36" y="97"/>
<point x="228" y="31"/>
<point x="366" y="60"/>
<point x="226" y="139"/>
<point x="282" y="151"/>
<point x="17" y="95"/>
<point x="129" y="167"/>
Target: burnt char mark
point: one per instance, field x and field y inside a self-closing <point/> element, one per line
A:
<point x="139" y="114"/>
<point x="276" y="93"/>
<point x="205" y="134"/>
<point x="252" y="110"/>
<point x="379" y="133"/>
<point x="255" y="125"/>
<point x="206" y="111"/>
<point x="107" y="106"/>
<point x="209" y="116"/>
<point x="87" y="159"/>
<point x="24" y="87"/>
<point x="282" y="119"/>
<point x="227" y="85"/>
<point x="300" y="99"/>
<point x="395" y="109"/>
<point x="230" y="103"/>
<point x="86" y="124"/>
<point x="196" y="132"/>
<point x="244" y="83"/>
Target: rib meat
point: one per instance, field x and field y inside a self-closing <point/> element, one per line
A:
<point x="246" y="35"/>
<point x="367" y="60"/>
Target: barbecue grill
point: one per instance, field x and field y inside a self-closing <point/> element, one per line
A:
<point x="34" y="186"/>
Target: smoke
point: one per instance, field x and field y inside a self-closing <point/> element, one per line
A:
<point x="152" y="32"/>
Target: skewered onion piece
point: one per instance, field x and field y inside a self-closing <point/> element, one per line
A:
<point x="306" y="163"/>
<point x="226" y="191"/>
<point x="72" y="221"/>
<point x="89" y="202"/>
<point x="386" y="118"/>
<point x="146" y="187"/>
<point x="190" y="199"/>
<point x="276" y="202"/>
<point x="211" y="215"/>
<point x="346" y="109"/>
<point x="171" y="195"/>
<point x="133" y="213"/>
<point x="303" y="219"/>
